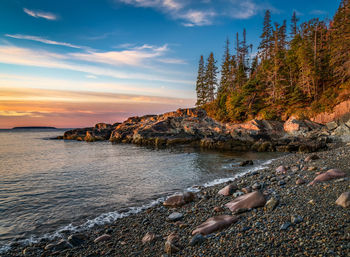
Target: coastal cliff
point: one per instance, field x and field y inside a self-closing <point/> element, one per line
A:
<point x="194" y="127"/>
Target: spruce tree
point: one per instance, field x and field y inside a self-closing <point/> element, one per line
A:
<point x="200" y="85"/>
<point x="226" y="79"/>
<point x="210" y="78"/>
<point x="294" y="25"/>
<point x="266" y="36"/>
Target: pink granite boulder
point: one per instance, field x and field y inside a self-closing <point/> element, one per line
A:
<point x="180" y="200"/>
<point x="328" y="175"/>
<point x="228" y="190"/>
<point x="214" y="224"/>
<point x="344" y="200"/>
<point x="247" y="201"/>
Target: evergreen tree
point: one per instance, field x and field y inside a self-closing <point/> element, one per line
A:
<point x="226" y="78"/>
<point x="266" y="36"/>
<point x="294" y="25"/>
<point x="200" y="85"/>
<point x="210" y="78"/>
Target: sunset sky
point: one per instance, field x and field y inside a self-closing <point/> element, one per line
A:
<point x="73" y="63"/>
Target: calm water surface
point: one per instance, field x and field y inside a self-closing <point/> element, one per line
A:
<point x="48" y="185"/>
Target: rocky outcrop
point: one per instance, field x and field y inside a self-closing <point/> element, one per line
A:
<point x="194" y="127"/>
<point x="339" y="112"/>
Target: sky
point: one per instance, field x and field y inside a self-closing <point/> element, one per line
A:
<point x="74" y="63"/>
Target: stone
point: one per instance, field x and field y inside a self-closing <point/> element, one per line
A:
<point x="271" y="204"/>
<point x="295" y="219"/>
<point x="197" y="239"/>
<point x="312" y="168"/>
<point x="171" y="244"/>
<point x="328" y="175"/>
<point x="76" y="239"/>
<point x="60" y="246"/>
<point x="237" y="194"/>
<point x="148" y="238"/>
<point x="175" y="216"/>
<point x="281" y="183"/>
<point x="281" y="170"/>
<point x="246" y="190"/>
<point x="180" y="199"/>
<point x="300" y="181"/>
<point x="344" y="200"/>
<point x="228" y="190"/>
<point x="297" y="127"/>
<point x="246" y="163"/>
<point x="247" y="201"/>
<point x="215" y="224"/>
<point x="312" y="157"/>
<point x="102" y="238"/>
<point x="331" y="125"/>
<point x="285" y="226"/>
<point x="218" y="209"/>
<point x="256" y="186"/>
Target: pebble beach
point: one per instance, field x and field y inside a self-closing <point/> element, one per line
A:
<point x="297" y="219"/>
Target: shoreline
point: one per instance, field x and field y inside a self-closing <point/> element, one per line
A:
<point x="125" y="234"/>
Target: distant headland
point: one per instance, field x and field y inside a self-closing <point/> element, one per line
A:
<point x="35" y="127"/>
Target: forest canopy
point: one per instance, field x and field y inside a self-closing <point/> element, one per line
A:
<point x="301" y="70"/>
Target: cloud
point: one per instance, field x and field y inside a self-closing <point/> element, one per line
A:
<point x="42" y="40"/>
<point x="318" y="12"/>
<point x="40" y="14"/>
<point x="193" y="13"/>
<point x="91" y="77"/>
<point x="134" y="57"/>
<point x="40" y="58"/>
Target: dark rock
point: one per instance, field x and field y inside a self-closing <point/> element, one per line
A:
<point x="197" y="240"/>
<point x="285" y="226"/>
<point x="76" y="239"/>
<point x="175" y="216"/>
<point x="312" y="157"/>
<point x="295" y="219"/>
<point x="246" y="163"/>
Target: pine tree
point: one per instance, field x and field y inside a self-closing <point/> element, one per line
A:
<point x="210" y="79"/>
<point x="226" y="78"/>
<point x="200" y="85"/>
<point x="266" y="36"/>
<point x="294" y="25"/>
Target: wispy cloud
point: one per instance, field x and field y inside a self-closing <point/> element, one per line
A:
<point x="42" y="40"/>
<point x="40" y="14"/>
<point x="193" y="13"/>
<point x="40" y="58"/>
<point x="318" y="12"/>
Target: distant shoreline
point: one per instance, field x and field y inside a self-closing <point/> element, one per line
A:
<point x="35" y="127"/>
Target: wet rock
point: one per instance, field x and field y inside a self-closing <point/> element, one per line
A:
<point x="271" y="204"/>
<point x="171" y="244"/>
<point x="246" y="190"/>
<point x="312" y="157"/>
<point x="328" y="175"/>
<point x="61" y="245"/>
<point x="300" y="181"/>
<point x="285" y="226"/>
<point x="76" y="239"/>
<point x="295" y="219"/>
<point x="256" y="186"/>
<point x="281" y="170"/>
<point x="197" y="240"/>
<point x="246" y="163"/>
<point x="237" y="194"/>
<point x="214" y="224"/>
<point x="102" y="238"/>
<point x="218" y="209"/>
<point x="228" y="190"/>
<point x="148" y="238"/>
<point x="247" y="201"/>
<point x="344" y="200"/>
<point x="180" y="200"/>
<point x="175" y="216"/>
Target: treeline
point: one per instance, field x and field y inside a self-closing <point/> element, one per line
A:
<point x="300" y="70"/>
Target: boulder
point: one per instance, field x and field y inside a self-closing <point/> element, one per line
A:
<point x="228" y="190"/>
<point x="148" y="238"/>
<point x="328" y="175"/>
<point x="179" y="199"/>
<point x="171" y="244"/>
<point x="344" y="200"/>
<point x="294" y="126"/>
<point x="247" y="201"/>
<point x="281" y="170"/>
<point x="214" y="224"/>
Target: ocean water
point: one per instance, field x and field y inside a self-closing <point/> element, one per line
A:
<point x="48" y="186"/>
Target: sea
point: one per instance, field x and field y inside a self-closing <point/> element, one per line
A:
<point x="49" y="187"/>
